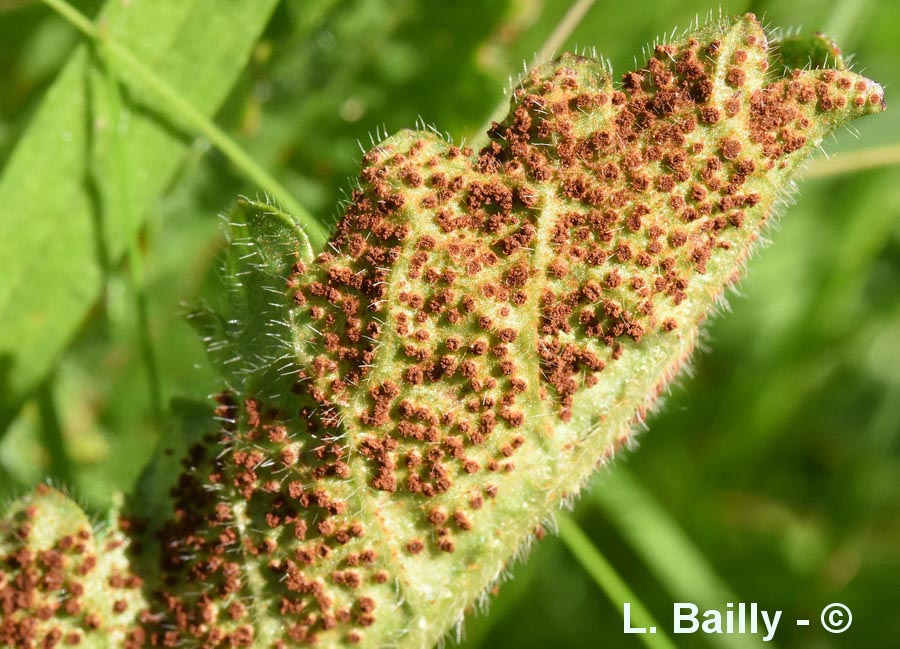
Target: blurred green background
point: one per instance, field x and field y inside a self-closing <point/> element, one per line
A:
<point x="771" y="475"/>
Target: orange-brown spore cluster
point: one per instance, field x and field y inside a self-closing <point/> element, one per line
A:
<point x="262" y="506"/>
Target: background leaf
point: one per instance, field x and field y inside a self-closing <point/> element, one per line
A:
<point x="61" y="232"/>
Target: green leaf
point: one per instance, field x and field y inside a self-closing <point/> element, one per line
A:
<point x="250" y="335"/>
<point x="810" y="51"/>
<point x="62" y="229"/>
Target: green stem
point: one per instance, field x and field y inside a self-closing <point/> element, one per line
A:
<point x="606" y="577"/>
<point x="851" y="162"/>
<point x="192" y="118"/>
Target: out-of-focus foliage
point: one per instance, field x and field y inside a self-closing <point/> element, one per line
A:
<point x="780" y="463"/>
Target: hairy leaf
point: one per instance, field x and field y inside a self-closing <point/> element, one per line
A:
<point x="59" y="584"/>
<point x="406" y="410"/>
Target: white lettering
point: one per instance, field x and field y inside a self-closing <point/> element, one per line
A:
<point x="679" y="617"/>
<point x="771" y="625"/>
<point x="627" y="617"/>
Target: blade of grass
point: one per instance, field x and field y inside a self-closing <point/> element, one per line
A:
<point x="555" y="40"/>
<point x="854" y="161"/>
<point x="193" y="118"/>
<point x="605" y="576"/>
<point x="666" y="550"/>
<point x="58" y="240"/>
